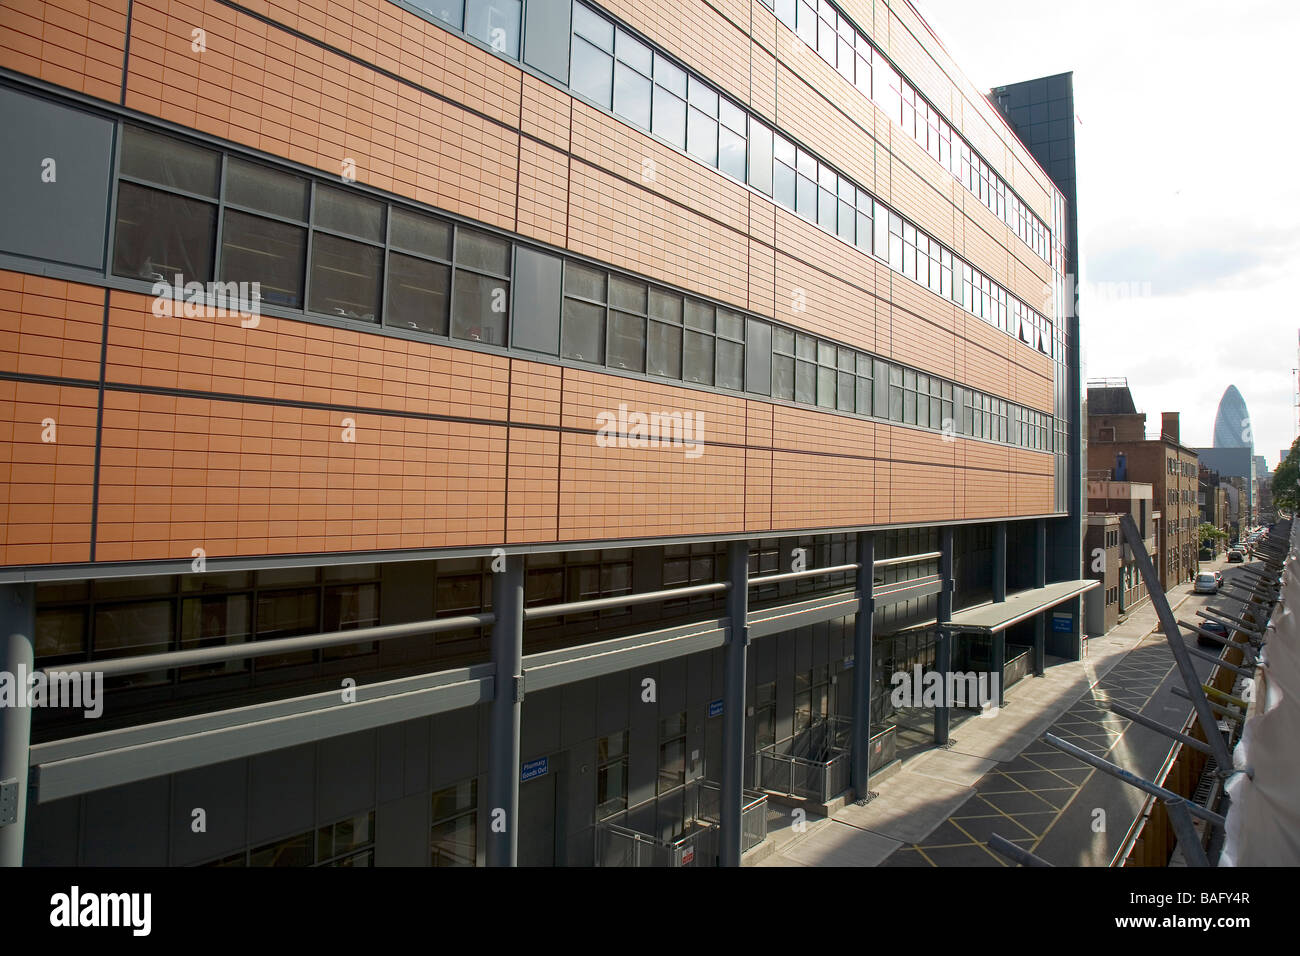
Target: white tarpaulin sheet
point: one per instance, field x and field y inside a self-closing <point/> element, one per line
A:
<point x="1263" y="827"/>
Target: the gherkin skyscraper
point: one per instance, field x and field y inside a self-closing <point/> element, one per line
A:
<point x="1232" y="424"/>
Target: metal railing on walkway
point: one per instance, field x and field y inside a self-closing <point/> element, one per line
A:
<point x="697" y="844"/>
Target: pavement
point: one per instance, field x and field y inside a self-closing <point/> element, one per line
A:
<point x="999" y="776"/>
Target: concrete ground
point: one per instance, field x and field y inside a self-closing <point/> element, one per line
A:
<point x="999" y="776"/>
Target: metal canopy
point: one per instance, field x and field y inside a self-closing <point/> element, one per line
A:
<point x="992" y="618"/>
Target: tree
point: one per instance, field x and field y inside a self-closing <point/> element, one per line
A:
<point x="1210" y="533"/>
<point x="1286" y="481"/>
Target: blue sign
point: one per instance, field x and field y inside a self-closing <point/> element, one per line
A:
<point x="1062" y="623"/>
<point x="715" y="708"/>
<point x="535" y="768"/>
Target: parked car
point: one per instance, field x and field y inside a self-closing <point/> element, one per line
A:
<point x="1206" y="583"/>
<point x="1236" y="556"/>
<point x="1214" y="627"/>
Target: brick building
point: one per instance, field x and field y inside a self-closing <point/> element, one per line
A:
<point x="1119" y="450"/>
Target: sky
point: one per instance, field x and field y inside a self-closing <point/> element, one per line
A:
<point x="1189" y="190"/>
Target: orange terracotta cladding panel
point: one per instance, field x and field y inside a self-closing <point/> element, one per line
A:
<point x="812" y="491"/>
<point x="300" y="362"/>
<point x="78" y="44"/>
<point x="50" y="327"/>
<point x="533" y="485"/>
<point x="47" y="472"/>
<point x="589" y="395"/>
<point x="236" y="478"/>
<point x="611" y="491"/>
<point x="267" y="89"/>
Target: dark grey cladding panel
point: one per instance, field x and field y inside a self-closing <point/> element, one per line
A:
<point x="221" y="791"/>
<point x="54" y="172"/>
<point x="281" y="788"/>
<point x="345" y="775"/>
<point x="127" y="826"/>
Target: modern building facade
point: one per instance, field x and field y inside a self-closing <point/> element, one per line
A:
<point x="1213" y="500"/>
<point x="1119" y="450"/>
<point x="470" y="360"/>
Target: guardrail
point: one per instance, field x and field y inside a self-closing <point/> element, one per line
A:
<point x="696" y="846"/>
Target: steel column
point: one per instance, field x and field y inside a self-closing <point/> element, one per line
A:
<point x="17" y="656"/>
<point x="507" y="705"/>
<point x="1040" y="581"/>
<point x="1177" y="644"/>
<point x="1000" y="562"/>
<point x="862" y="660"/>
<point x="943" y="652"/>
<point x="732" y="795"/>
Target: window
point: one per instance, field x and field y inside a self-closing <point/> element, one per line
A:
<point x="345" y="262"/>
<point x="672" y="753"/>
<point x="783" y="364"/>
<point x="632" y="84"/>
<point x="160" y="232"/>
<point x="419" y="279"/>
<point x="481" y="297"/>
<point x="496" y="23"/>
<point x="256" y="248"/>
<point x="627" y="324"/>
<point x="698" y="352"/>
<point x="611" y="775"/>
<point x="805" y="369"/>
<point x="348" y="842"/>
<point x="760" y="157"/>
<point x="669" y="101"/>
<point x="865" y="385"/>
<point x="453" y="838"/>
<point x="583" y="328"/>
<point x="591" y="69"/>
<point x="702" y="122"/>
<point x="758" y="357"/>
<point x="730" y="349"/>
<point x="664" y="338"/>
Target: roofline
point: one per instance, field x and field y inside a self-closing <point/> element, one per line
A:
<point x="996" y="112"/>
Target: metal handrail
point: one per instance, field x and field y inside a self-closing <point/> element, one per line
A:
<point x="796" y="575"/>
<point x="622" y="600"/>
<point x="228" y="652"/>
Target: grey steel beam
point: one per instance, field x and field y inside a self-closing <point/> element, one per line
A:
<point x="1216" y="659"/>
<point x="439" y="692"/>
<point x="1246" y="649"/>
<point x="1214" y="614"/>
<point x="732" y="795"/>
<point x="140" y="758"/>
<point x="999" y="562"/>
<point x="1040" y="581"/>
<point x="1143" y="720"/>
<point x="17" y="656"/>
<point x="1227" y="712"/>
<point x="507" y="705"/>
<point x="943" y="650"/>
<point x="860" y="770"/>
<point x="1146" y="786"/>
<point x="1180" y="818"/>
<point x="1015" y="853"/>
<point x="1177" y="644"/>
